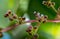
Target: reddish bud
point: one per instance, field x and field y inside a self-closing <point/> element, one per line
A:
<point x="29" y="29"/>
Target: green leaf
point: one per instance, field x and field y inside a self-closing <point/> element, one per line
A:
<point x="36" y="5"/>
<point x="6" y="5"/>
<point x="49" y="30"/>
<point x="20" y="32"/>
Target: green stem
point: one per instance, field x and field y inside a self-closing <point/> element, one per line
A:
<point x="54" y="8"/>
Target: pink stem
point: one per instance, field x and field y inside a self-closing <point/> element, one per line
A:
<point x="10" y="27"/>
<point x="30" y="21"/>
<point x="53" y="21"/>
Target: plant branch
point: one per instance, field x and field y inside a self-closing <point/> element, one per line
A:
<point x="54" y="9"/>
<point x="30" y="21"/>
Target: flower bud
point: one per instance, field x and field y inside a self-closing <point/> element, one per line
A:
<point x="11" y="19"/>
<point x="45" y="16"/>
<point x="9" y="12"/>
<point x="35" y="27"/>
<point x="44" y="2"/>
<point x="14" y="17"/>
<point x="29" y="29"/>
<point x="6" y="15"/>
<point x="44" y="20"/>
<point x="23" y="18"/>
<point x="35" y="36"/>
<point x="53" y="3"/>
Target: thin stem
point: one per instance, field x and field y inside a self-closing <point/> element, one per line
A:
<point x="54" y="8"/>
<point x="10" y="28"/>
<point x="30" y="21"/>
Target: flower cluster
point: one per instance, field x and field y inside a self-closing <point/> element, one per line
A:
<point x="40" y="17"/>
<point x="32" y="30"/>
<point x="48" y="3"/>
<point x="13" y="16"/>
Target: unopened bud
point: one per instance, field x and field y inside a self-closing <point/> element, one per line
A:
<point x="9" y="12"/>
<point x="6" y="15"/>
<point x="11" y="19"/>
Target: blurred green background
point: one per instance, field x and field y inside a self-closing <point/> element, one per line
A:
<point x="26" y="8"/>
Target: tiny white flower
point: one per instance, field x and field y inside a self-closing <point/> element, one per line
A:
<point x="34" y="12"/>
<point x="42" y="15"/>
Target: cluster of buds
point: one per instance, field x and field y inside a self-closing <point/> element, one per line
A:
<point x="35" y="36"/>
<point x="21" y="20"/>
<point x="32" y="31"/>
<point x="1" y="34"/>
<point x="48" y="3"/>
<point x="10" y="15"/>
<point x="13" y="17"/>
<point x="29" y="30"/>
<point x="40" y="17"/>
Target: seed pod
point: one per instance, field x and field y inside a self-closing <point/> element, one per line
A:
<point x="14" y="17"/>
<point x="49" y="4"/>
<point x="44" y="20"/>
<point x="9" y="12"/>
<point x="23" y="18"/>
<point x="39" y="20"/>
<point x="20" y="18"/>
<point x="30" y="33"/>
<point x="29" y="29"/>
<point x="35" y="36"/>
<point x="1" y="35"/>
<point x="53" y="3"/>
<point x="35" y="27"/>
<point x="11" y="19"/>
<point x="45" y="16"/>
<point x="6" y="15"/>
<point x="44" y="2"/>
